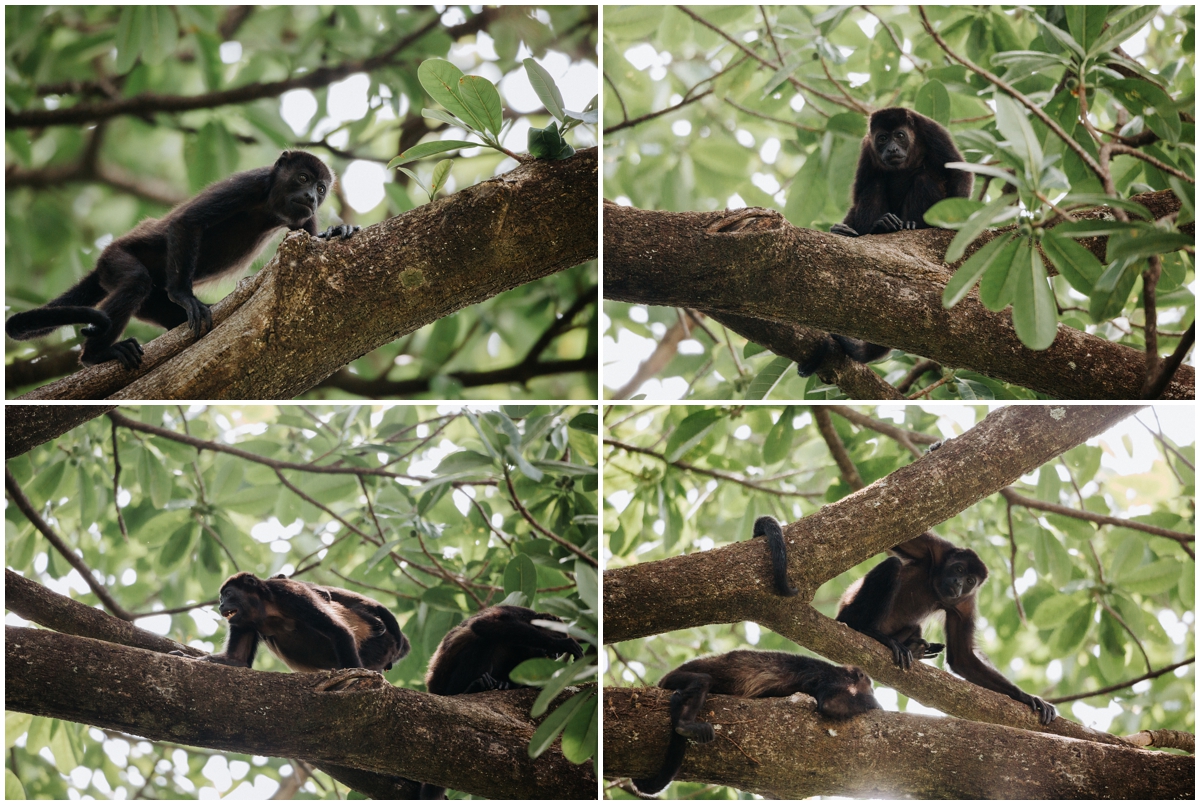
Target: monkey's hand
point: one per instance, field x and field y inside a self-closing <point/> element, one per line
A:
<point x="891" y="223"/>
<point x="342" y="231"/>
<point x="199" y="316"/>
<point x="128" y="352"/>
<point x="1045" y="711"/>
<point x="901" y="654"/>
<point x="842" y="229"/>
<point x="699" y="731"/>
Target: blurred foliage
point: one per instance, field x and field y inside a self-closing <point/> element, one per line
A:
<point x="443" y="539"/>
<point x="742" y="135"/>
<point x="63" y="56"/>
<point x="1072" y="575"/>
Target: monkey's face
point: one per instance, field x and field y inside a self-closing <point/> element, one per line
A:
<point x="959" y="579"/>
<point x="239" y="606"/>
<point x="893" y="147"/>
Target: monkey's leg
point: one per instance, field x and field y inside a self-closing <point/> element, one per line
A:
<point x="128" y="284"/>
<point x="686" y="703"/>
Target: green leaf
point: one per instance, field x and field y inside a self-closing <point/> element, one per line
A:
<point x="547" y="143"/>
<point x="444" y="117"/>
<point x="1035" y="315"/>
<point x="551" y="690"/>
<point x="1154" y="578"/>
<point x="587" y="585"/>
<point x="778" y="442"/>
<point x="950" y="212"/>
<point x="440" y="79"/>
<point x="1013" y="123"/>
<point x="423" y="150"/>
<point x="691" y="431"/>
<point x="762" y="384"/>
<point x="975" y="226"/>
<point x="586" y="422"/>
<point x="933" y="101"/>
<point x="528" y="470"/>
<point x="547" y="91"/>
<point x="579" y="737"/>
<point x="1000" y="249"/>
<point x="418" y="182"/>
<point x="1076" y="264"/>
<point x="464" y="460"/>
<point x="1112" y="289"/>
<point x="1055" y="610"/>
<point x="129" y="37"/>
<point x="480" y="96"/>
<point x="998" y="285"/>
<point x="1085" y="23"/>
<point x="535" y="672"/>
<point x="160" y="34"/>
<point x="178" y="547"/>
<point x="440" y="172"/>
<point x="1122" y="28"/>
<point x="13" y="789"/>
<point x="549" y="729"/>
<point x="1145" y="240"/>
<point x="520" y="575"/>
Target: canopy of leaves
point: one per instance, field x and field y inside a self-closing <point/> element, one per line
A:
<point x="327" y="79"/>
<point x="1102" y="604"/>
<point x="723" y="107"/>
<point x="435" y="534"/>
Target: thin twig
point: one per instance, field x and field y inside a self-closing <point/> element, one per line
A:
<point x="724" y="476"/>
<point x="1126" y="684"/>
<point x="516" y="501"/>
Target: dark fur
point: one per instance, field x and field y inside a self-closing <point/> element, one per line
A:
<point x="923" y="576"/>
<point x="149" y="271"/>
<point x="841" y="691"/>
<point x="308" y="626"/>
<point x="901" y="174"/>
<point x="767" y="526"/>
<point x="479" y="654"/>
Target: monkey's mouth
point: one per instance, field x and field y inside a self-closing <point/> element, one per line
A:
<point x="228" y="614"/>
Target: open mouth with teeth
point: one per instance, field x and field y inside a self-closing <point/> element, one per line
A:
<point x="229" y="615"/>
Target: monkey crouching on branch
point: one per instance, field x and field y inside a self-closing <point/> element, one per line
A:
<point x="309" y="626"/>
<point x="901" y="174"/>
<point x="841" y="691"/>
<point x="923" y="576"/>
<point x="479" y="654"/>
<point x="149" y="271"/>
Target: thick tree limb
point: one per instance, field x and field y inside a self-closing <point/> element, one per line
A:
<point x="27" y="426"/>
<point x="880" y="755"/>
<point x="886" y="289"/>
<point x="476" y="744"/>
<point x="317" y="306"/>
<point x="731" y="583"/>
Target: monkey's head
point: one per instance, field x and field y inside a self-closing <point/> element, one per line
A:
<point x="894" y="140"/>
<point x="847" y="694"/>
<point x="243" y="597"/>
<point x="962" y="574"/>
<point x="299" y="185"/>
<point x="566" y="643"/>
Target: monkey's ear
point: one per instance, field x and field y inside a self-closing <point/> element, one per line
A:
<point x="283" y="158"/>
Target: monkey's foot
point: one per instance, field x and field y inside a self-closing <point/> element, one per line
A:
<point x="128" y="352"/>
<point x="699" y="731"/>
<point x="347" y="679"/>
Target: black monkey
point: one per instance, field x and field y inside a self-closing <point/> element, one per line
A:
<point x="901" y="174"/>
<point x="479" y="654"/>
<point x="923" y="576"/>
<point x="309" y="626"/>
<point x="841" y="691"/>
<point x="767" y="526"/>
<point x="149" y="271"/>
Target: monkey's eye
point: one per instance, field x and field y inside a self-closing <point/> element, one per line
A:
<point x="321" y="189"/>
<point x="303" y="178"/>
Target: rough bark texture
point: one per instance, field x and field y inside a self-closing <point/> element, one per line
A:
<point x="476" y="744"/>
<point x="27" y="426"/>
<point x="732" y="583"/>
<point x="880" y="755"/>
<point x="319" y="305"/>
<point x="886" y="289"/>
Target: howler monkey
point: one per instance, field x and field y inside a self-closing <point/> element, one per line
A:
<point x="767" y="526"/>
<point x="841" y="691"/>
<point x="149" y="271"/>
<point x="479" y="654"/>
<point x="923" y="576"/>
<point x="309" y="626"/>
<point x="901" y="174"/>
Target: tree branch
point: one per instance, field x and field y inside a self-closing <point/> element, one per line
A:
<point x="319" y="305"/>
<point x="885" y="289"/>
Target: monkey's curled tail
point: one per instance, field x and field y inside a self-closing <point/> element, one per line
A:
<point x="767" y="526"/>
<point x="674" y="759"/>
<point x="73" y="307"/>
